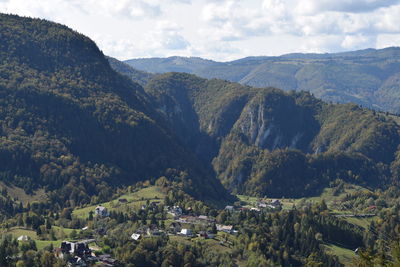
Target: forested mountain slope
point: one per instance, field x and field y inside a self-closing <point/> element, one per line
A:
<point x="71" y="124"/>
<point x="141" y="77"/>
<point x="368" y="77"/>
<point x="266" y="141"/>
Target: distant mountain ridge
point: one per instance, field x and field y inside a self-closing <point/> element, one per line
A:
<point x="367" y="77"/>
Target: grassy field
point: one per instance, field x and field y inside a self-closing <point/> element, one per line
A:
<point x="327" y="195"/>
<point x="134" y="201"/>
<point x="19" y="193"/>
<point x="345" y="255"/>
<point x="40" y="244"/>
<point x="213" y="244"/>
<point x="363" y="222"/>
<point x="18" y="231"/>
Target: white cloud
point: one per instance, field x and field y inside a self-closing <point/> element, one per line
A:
<point x="164" y="39"/>
<point x="221" y="28"/>
<point x="311" y="7"/>
<point x="167" y="35"/>
<point x="127" y="8"/>
<point x="354" y="42"/>
<point x="386" y="40"/>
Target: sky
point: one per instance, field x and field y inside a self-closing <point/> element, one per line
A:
<point x="222" y="30"/>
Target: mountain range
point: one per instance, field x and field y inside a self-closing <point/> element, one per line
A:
<point x="80" y="124"/>
<point x="367" y="77"/>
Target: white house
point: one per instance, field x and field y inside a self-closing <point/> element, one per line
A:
<point x="230" y="208"/>
<point x="186" y="232"/>
<point x="23" y="238"/>
<point x="135" y="236"/>
<point x="101" y="211"/>
<point x="224" y="228"/>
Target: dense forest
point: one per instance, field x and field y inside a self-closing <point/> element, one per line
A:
<point x="264" y="141"/>
<point x="72" y="125"/>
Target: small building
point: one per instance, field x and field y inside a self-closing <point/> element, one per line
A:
<point x="186" y="232"/>
<point x="23" y="238"/>
<point x="206" y="235"/>
<point x="78" y="249"/>
<point x="175" y="211"/>
<point x="261" y="204"/>
<point x="122" y="200"/>
<point x="153" y="230"/>
<point x="276" y="203"/>
<point x="188" y="219"/>
<point x="101" y="211"/>
<point x="224" y="228"/>
<point x="106" y="260"/>
<point x="136" y="236"/>
<point x="175" y="227"/>
<point x="230" y="208"/>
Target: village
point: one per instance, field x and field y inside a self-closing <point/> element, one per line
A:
<point x="181" y="224"/>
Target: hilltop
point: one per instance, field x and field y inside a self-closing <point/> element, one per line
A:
<point x="72" y="125"/>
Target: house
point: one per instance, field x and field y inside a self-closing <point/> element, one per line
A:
<point x="203" y="217"/>
<point x="261" y="204"/>
<point x="224" y="228"/>
<point x="136" y="237"/>
<point x="175" y="211"/>
<point x="230" y="208"/>
<point x="276" y="203"/>
<point x="76" y="261"/>
<point x="101" y="211"/>
<point x="23" y="238"/>
<point x="153" y="230"/>
<point x="175" y="227"/>
<point x="205" y="234"/>
<point x="188" y="219"/>
<point x="122" y="200"/>
<point x="186" y="232"/>
<point x="106" y="260"/>
<point x="78" y="249"/>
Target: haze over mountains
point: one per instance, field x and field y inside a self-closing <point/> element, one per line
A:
<point x="368" y="77"/>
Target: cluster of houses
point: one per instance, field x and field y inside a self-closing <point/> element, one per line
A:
<point x="181" y="221"/>
<point x="261" y="204"/>
<point x="176" y="228"/>
<point x="180" y="227"/>
<point x="79" y="254"/>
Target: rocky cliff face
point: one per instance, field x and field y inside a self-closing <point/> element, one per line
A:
<point x="261" y="140"/>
